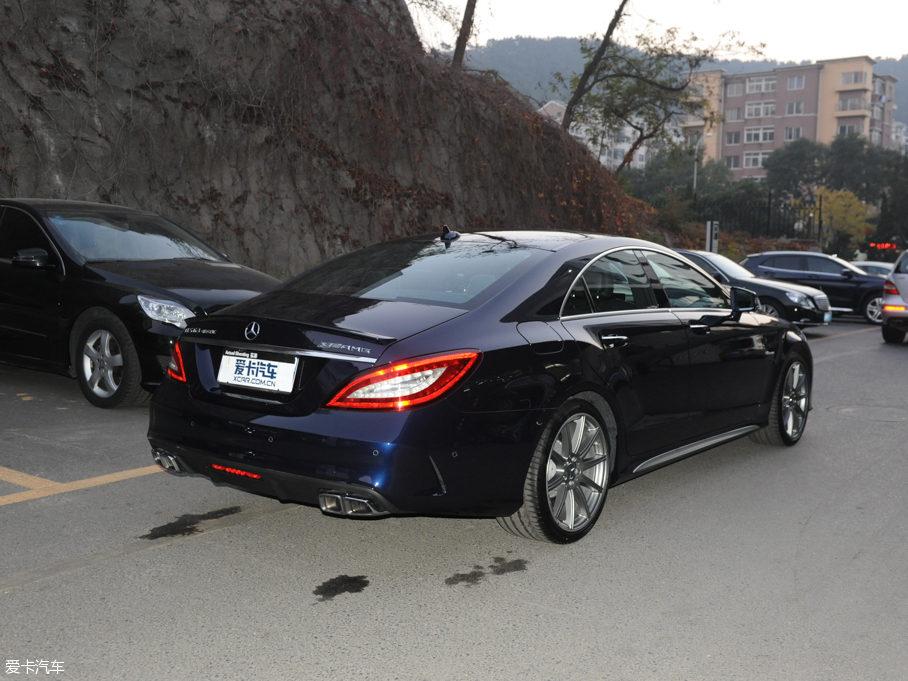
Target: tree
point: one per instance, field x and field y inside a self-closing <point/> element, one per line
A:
<point x="466" y="29"/>
<point x="795" y="170"/>
<point x="642" y="87"/>
<point x="848" y="218"/>
<point x="855" y="165"/>
<point x="894" y="207"/>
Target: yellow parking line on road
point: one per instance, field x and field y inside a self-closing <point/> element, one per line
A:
<point x="59" y="488"/>
<point x="24" y="479"/>
<point x="847" y="333"/>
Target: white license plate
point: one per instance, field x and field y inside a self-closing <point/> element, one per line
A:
<point x="827" y="316"/>
<point x="258" y="370"/>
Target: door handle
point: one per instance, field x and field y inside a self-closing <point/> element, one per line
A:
<point x="613" y="341"/>
<point x="699" y="329"/>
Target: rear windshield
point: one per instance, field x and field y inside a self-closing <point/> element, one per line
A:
<point x="467" y="272"/>
<point x="109" y="235"/>
<point x="901" y="267"/>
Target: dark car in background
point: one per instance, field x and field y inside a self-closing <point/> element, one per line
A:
<point x="101" y="292"/>
<point x="516" y="375"/>
<point x="850" y="290"/>
<point x="800" y="305"/>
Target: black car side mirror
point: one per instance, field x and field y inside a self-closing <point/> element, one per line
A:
<point x="742" y="300"/>
<point x="31" y="257"/>
<point x="848" y="274"/>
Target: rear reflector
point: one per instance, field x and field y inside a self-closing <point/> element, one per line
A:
<point x="236" y="471"/>
<point x="175" y="369"/>
<point x="407" y="384"/>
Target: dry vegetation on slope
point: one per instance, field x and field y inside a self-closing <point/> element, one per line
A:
<point x="284" y="132"/>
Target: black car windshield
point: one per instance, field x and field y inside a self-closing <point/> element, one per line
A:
<point x="110" y="235"/>
<point x="416" y="271"/>
<point x="729" y="268"/>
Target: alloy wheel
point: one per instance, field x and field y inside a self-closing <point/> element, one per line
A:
<point x="102" y="363"/>
<point x="769" y="310"/>
<point x="576" y="473"/>
<point x="874" y="310"/>
<point x="795" y="395"/>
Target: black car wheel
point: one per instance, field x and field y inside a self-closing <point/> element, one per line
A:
<point x="771" y="308"/>
<point x="790" y="405"/>
<point x="872" y="308"/>
<point x="568" y="478"/>
<point x="106" y="363"/>
<point x="891" y="335"/>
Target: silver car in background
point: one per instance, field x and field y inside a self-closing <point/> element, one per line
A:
<point x="895" y="309"/>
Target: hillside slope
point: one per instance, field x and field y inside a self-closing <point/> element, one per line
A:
<point x="284" y="132"/>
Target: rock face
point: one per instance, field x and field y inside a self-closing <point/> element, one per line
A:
<point x="284" y="132"/>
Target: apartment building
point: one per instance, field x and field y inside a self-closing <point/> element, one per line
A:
<point x="752" y="114"/>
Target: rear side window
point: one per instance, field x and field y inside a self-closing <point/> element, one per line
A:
<point x="19" y="231"/>
<point x="815" y="264"/>
<point x="901" y="267"/>
<point x="784" y="262"/>
<point x="614" y="283"/>
<point x="461" y="274"/>
<point x="685" y="286"/>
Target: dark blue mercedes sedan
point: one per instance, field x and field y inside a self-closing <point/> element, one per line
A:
<point x="516" y="375"/>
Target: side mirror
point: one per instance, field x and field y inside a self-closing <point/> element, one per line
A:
<point x="848" y="274"/>
<point x="31" y="257"/>
<point x="742" y="300"/>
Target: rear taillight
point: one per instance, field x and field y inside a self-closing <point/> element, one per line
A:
<point x="890" y="289"/>
<point x="175" y="369"/>
<point x="406" y="384"/>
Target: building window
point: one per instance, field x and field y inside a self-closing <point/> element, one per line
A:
<point x="754" y="159"/>
<point x="734" y="89"/>
<point x="876" y="137"/>
<point x="879" y="88"/>
<point x="760" y="109"/>
<point x="733" y="138"/>
<point x="761" y="84"/>
<point x="732" y="161"/>
<point x="852" y="104"/>
<point x="754" y="135"/>
<point x="794" y="108"/>
<point x="877" y="111"/>
<point x="848" y="129"/>
<point x="618" y="154"/>
<point x="792" y="134"/>
<point x="854" y="77"/>
<point x="795" y="82"/>
<point x="732" y="115"/>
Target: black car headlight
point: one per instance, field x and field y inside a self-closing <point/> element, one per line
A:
<point x="799" y="299"/>
<point x="166" y="311"/>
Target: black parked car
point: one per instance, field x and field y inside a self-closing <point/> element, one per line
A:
<point x="850" y="290"/>
<point x="515" y="375"/>
<point x="801" y="305"/>
<point x="101" y="292"/>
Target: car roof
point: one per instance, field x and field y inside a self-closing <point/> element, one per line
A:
<point x="45" y="206"/>
<point x="550" y="239"/>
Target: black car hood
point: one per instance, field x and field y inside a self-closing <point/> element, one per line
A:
<point x="778" y="285"/>
<point x="195" y="283"/>
<point x="391" y="319"/>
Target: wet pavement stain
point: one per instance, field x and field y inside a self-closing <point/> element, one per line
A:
<point x="188" y="524"/>
<point x="501" y="566"/>
<point x="343" y="584"/>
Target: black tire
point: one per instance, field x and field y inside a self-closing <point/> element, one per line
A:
<point x="563" y="501"/>
<point x="788" y="402"/>
<point x="772" y="308"/>
<point x="872" y="307"/>
<point x="106" y="363"/>
<point x="891" y="335"/>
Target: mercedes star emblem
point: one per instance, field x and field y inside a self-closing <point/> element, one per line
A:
<point x="252" y="330"/>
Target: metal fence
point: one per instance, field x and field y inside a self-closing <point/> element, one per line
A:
<point x="767" y="217"/>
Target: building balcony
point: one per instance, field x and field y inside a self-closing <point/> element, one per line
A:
<point x="854" y="86"/>
<point x="853" y="113"/>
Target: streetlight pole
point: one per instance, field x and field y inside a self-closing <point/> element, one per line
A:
<point x="697" y="162"/>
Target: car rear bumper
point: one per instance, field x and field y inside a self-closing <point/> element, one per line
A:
<point x="897" y="314"/>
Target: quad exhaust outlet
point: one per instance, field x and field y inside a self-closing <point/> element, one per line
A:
<point x="166" y="461"/>
<point x="338" y="503"/>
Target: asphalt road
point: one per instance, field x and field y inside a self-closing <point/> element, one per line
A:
<point x="744" y="562"/>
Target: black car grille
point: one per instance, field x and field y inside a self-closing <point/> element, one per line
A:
<point x="822" y="302"/>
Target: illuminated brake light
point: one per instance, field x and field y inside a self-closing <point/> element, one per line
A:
<point x="894" y="308"/>
<point x="890" y="289"/>
<point x="407" y="384"/>
<point x="236" y="471"/>
<point x="175" y="369"/>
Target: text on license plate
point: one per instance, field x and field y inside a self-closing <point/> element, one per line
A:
<point x="258" y="370"/>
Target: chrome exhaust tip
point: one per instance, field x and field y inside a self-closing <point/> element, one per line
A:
<point x="166" y="461"/>
<point x="338" y="503"/>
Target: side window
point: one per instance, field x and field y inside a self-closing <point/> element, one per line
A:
<point x="685" y="286"/>
<point x="788" y="262"/>
<point x="18" y="231"/>
<point x="815" y="264"/>
<point x="618" y="282"/>
<point x="901" y="267"/>
<point x="577" y="302"/>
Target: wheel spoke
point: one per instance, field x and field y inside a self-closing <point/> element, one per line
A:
<point x="584" y="505"/>
<point x="555" y="483"/>
<point x="91" y="353"/>
<point x="112" y="384"/>
<point x="559" y="502"/>
<point x="589" y="443"/>
<point x="116" y="360"/>
<point x="94" y="379"/>
<point x="592" y="463"/>
<point x="570" y="509"/>
<point x="587" y="482"/>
